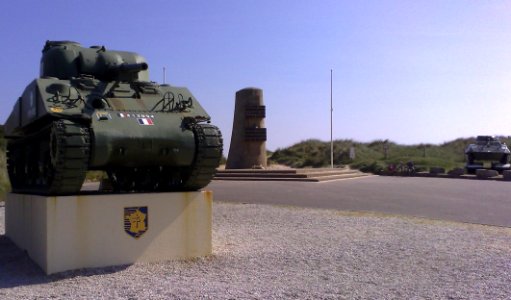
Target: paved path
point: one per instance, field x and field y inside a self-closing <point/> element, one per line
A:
<point x="473" y="201"/>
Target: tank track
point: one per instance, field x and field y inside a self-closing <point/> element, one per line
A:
<point x="53" y="161"/>
<point x="208" y="145"/>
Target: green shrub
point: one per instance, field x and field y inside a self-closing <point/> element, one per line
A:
<point x="374" y="167"/>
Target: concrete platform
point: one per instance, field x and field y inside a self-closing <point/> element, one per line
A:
<point x="446" y="175"/>
<point x="303" y="175"/>
<point x="72" y="232"/>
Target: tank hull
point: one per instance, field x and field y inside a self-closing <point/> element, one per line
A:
<point x="140" y="140"/>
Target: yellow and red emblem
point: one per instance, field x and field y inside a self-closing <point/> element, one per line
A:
<point x="136" y="220"/>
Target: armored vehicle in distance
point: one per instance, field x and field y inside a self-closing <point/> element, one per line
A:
<point x="95" y="109"/>
<point x="489" y="149"/>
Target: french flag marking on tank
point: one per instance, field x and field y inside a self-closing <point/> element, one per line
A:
<point x="145" y="121"/>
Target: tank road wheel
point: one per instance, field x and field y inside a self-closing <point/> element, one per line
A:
<point x="15" y="166"/>
<point x="144" y="179"/>
<point x="66" y="160"/>
<point x="208" y="142"/>
<point x="133" y="179"/>
<point x="170" y="179"/>
<point x="121" y="179"/>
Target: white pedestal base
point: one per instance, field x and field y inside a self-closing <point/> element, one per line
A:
<point x="72" y="232"/>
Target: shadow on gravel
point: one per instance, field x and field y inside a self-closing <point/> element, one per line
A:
<point x="17" y="269"/>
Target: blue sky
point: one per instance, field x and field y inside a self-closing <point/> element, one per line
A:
<point x="408" y="71"/>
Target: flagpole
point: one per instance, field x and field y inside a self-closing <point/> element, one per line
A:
<point x="331" y="123"/>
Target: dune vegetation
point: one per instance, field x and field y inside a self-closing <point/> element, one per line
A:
<point x="374" y="156"/>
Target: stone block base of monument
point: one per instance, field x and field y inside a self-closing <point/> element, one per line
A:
<point x="85" y="231"/>
<point x="485" y="173"/>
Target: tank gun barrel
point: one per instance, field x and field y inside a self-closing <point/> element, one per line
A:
<point x="131" y="68"/>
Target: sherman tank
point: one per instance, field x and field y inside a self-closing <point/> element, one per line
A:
<point x="95" y="109"/>
<point x="487" y="149"/>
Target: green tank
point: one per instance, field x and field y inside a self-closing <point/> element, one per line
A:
<point x="490" y="149"/>
<point x="95" y="109"/>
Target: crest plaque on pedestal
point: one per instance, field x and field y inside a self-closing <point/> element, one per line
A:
<point x="136" y="221"/>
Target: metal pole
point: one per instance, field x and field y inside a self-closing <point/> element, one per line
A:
<point x="331" y="123"/>
<point x="164" y="75"/>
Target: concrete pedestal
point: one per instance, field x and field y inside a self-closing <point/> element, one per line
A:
<point x="71" y="232"/>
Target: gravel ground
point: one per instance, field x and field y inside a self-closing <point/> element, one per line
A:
<point x="266" y="252"/>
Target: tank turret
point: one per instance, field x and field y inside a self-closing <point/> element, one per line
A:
<point x="65" y="60"/>
<point x="95" y="109"/>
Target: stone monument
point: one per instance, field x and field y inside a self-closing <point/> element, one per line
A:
<point x="248" y="140"/>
